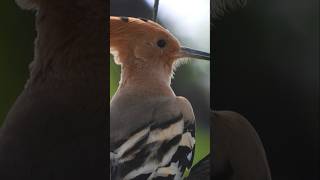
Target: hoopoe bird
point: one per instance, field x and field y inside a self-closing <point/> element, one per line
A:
<point x="152" y="131"/>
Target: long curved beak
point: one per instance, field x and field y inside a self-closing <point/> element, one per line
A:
<point x="191" y="53"/>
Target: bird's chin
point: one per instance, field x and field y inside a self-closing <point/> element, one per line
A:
<point x="181" y="61"/>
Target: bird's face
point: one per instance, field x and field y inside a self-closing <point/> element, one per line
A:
<point x="133" y="39"/>
<point x="157" y="46"/>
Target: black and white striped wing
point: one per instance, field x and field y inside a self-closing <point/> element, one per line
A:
<point x="157" y="151"/>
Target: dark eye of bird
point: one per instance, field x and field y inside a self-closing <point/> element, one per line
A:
<point x="161" y="43"/>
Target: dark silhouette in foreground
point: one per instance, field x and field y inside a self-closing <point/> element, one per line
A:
<point x="237" y="152"/>
<point x="57" y="127"/>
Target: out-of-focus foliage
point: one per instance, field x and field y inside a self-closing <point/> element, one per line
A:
<point x="16" y="52"/>
<point x="114" y="76"/>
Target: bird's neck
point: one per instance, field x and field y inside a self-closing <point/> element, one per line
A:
<point x="70" y="44"/>
<point x="146" y="81"/>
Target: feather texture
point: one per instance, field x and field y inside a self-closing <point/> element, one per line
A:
<point x="163" y="148"/>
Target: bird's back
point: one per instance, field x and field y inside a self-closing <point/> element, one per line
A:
<point x="151" y="138"/>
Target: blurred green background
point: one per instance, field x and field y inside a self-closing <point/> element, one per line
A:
<point x="16" y="52"/>
<point x="191" y="80"/>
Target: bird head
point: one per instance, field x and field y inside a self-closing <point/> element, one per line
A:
<point x="137" y="40"/>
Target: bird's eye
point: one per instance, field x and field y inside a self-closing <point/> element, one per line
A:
<point x="161" y="43"/>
